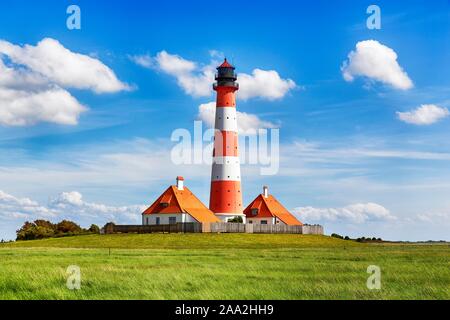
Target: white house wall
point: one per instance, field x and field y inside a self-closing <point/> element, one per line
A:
<point x="150" y="219"/>
<point x="258" y="220"/>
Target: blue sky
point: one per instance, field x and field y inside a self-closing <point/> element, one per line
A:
<point x="348" y="159"/>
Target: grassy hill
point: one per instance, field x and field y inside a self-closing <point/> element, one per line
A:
<point x="221" y="266"/>
<point x="188" y="241"/>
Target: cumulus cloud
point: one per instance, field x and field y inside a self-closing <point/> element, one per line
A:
<point x="426" y="114"/>
<point x="355" y="213"/>
<point x="196" y="80"/>
<point x="63" y="67"/>
<point x="33" y="82"/>
<point x="246" y="122"/>
<point x="21" y="107"/>
<point x="72" y="205"/>
<point x="21" y="208"/>
<point x="264" y="84"/>
<point x="67" y="205"/>
<point x="377" y="62"/>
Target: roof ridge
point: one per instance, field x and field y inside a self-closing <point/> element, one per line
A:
<point x="174" y="190"/>
<point x="279" y="215"/>
<point x="266" y="204"/>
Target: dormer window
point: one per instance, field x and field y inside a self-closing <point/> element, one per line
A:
<point x="255" y="212"/>
<point x="164" y="204"/>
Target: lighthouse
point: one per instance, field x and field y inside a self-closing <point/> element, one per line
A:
<point x="226" y="193"/>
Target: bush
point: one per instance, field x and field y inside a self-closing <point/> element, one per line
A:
<point x="41" y="229"/>
<point x="67" y="226"/>
<point x="94" y="229"/>
<point x="236" y="220"/>
<point x="335" y="235"/>
<point x="45" y="224"/>
<point x="33" y="231"/>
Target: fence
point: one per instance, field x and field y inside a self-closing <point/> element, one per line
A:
<point x="190" y="227"/>
<point x="264" y="228"/>
<point x="220" y="227"/>
<point x="224" y="227"/>
<point x="312" y="229"/>
<point x="276" y="228"/>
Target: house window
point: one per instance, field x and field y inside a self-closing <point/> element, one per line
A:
<point x="263" y="221"/>
<point x="250" y="221"/>
<point x="172" y="220"/>
<point x="255" y="212"/>
<point x="158" y="221"/>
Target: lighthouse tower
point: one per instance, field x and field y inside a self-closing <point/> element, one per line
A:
<point x="226" y="193"/>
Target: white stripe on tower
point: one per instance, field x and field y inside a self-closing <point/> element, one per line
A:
<point x="226" y="169"/>
<point x="226" y="119"/>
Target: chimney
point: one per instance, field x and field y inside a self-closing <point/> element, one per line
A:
<point x="266" y="191"/>
<point x="180" y="183"/>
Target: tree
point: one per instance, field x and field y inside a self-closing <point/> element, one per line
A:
<point x="45" y="224"/>
<point x="237" y="219"/>
<point x="40" y="229"/>
<point x="67" y="226"/>
<point x="94" y="229"/>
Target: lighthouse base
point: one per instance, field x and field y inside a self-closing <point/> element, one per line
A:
<point x="225" y="217"/>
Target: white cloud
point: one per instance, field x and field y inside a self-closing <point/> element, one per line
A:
<point x="21" y="208"/>
<point x="193" y="79"/>
<point x="71" y="205"/>
<point x="342" y="154"/>
<point x="21" y="107"/>
<point x="264" y="84"/>
<point x="63" y="67"/>
<point x="67" y="205"/>
<point x="426" y="114"/>
<point x="378" y="62"/>
<point x="145" y="61"/>
<point x="196" y="79"/>
<point x="33" y="82"/>
<point x="355" y="213"/>
<point x="438" y="218"/>
<point x="247" y="122"/>
<point x="174" y="64"/>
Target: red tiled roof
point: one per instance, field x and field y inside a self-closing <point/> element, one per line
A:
<point x="271" y="207"/>
<point x="225" y="64"/>
<point x="181" y="201"/>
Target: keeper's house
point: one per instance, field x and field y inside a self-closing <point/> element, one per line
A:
<point x="266" y="209"/>
<point x="177" y="204"/>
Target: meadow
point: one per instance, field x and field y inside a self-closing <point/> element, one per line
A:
<point x="221" y="266"/>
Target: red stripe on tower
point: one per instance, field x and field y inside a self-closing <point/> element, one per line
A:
<point x="226" y="193"/>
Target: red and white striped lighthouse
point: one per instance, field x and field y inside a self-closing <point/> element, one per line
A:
<point x="226" y="193"/>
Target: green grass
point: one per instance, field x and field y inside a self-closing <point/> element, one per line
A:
<point x="221" y="266"/>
